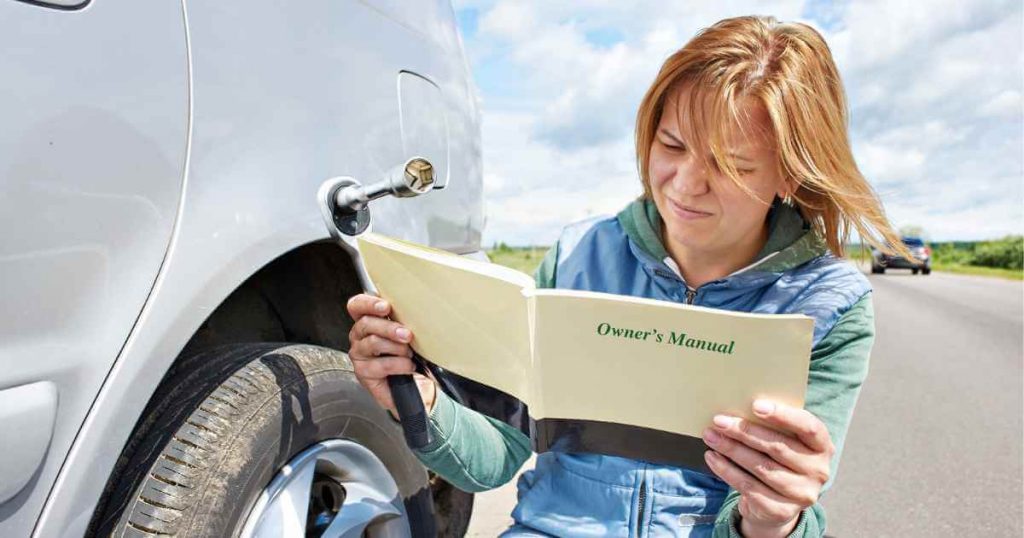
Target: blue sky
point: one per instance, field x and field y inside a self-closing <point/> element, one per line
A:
<point x="934" y="88"/>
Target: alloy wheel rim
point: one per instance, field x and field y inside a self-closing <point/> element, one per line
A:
<point x="333" y="489"/>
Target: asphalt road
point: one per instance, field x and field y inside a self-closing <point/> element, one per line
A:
<point x="935" y="447"/>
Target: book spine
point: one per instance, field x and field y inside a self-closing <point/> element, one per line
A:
<point x="533" y="377"/>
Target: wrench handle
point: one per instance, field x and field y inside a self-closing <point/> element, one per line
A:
<point x="411" y="412"/>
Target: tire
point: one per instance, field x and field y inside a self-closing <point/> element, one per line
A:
<point x="914" y="271"/>
<point x="453" y="507"/>
<point x="926" y="271"/>
<point x="226" y="421"/>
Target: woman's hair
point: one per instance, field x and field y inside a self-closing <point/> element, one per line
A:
<point x="787" y="68"/>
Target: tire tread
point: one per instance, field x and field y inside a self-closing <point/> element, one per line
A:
<point x="168" y="490"/>
<point x="170" y="469"/>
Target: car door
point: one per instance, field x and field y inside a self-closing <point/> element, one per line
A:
<point x="94" y="107"/>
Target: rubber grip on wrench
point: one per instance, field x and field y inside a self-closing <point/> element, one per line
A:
<point x="410" y="409"/>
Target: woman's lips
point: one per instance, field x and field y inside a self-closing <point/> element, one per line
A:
<point x="687" y="213"/>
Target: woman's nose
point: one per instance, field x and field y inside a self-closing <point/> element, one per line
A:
<point x="691" y="178"/>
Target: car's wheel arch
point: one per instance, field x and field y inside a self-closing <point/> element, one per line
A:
<point x="297" y="297"/>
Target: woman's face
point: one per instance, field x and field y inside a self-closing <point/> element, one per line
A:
<point x="703" y="210"/>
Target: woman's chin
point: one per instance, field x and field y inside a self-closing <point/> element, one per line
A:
<point x="690" y="227"/>
<point x="690" y="235"/>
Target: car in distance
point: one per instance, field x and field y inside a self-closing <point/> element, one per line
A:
<point x="881" y="261"/>
<point x="173" y="320"/>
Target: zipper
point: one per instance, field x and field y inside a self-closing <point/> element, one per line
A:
<point x="691" y="293"/>
<point x="642" y="501"/>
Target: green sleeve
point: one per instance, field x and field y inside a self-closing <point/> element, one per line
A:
<point x="545" y="273"/>
<point x="839" y="365"/>
<point x="472" y="451"/>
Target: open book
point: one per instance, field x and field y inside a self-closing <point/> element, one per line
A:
<point x="597" y="372"/>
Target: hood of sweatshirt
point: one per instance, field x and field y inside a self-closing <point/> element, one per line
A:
<point x="791" y="240"/>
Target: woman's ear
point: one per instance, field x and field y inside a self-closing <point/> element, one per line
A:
<point x="786" y="190"/>
<point x="787" y="187"/>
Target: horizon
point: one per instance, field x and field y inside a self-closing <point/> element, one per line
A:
<point x="493" y="246"/>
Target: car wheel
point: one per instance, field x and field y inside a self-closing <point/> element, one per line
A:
<point x="914" y="271"/>
<point x="452" y="506"/>
<point x="926" y="271"/>
<point x="269" y="440"/>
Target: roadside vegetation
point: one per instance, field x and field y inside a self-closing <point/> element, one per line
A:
<point x="524" y="259"/>
<point x="1002" y="258"/>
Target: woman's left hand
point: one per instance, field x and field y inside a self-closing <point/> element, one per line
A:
<point x="778" y="472"/>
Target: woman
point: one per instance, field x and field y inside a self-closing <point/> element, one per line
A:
<point x="750" y="192"/>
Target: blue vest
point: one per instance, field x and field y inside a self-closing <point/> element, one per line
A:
<point x="570" y="494"/>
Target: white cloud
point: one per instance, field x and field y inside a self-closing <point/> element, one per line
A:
<point x="508" y="20"/>
<point x="1006" y="104"/>
<point x="946" y="213"/>
<point x="533" y="188"/>
<point x="884" y="164"/>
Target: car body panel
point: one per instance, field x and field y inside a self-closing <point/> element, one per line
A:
<point x="27" y="413"/>
<point x="424" y="124"/>
<point x="282" y="97"/>
<point x="90" y="180"/>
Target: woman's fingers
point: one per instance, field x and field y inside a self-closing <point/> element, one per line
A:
<point x="793" y="486"/>
<point x="379" y="347"/>
<point x="763" y="503"/>
<point x="376" y="346"/>
<point x="794" y="438"/>
<point x="381" y="367"/>
<point x="373" y="334"/>
<point x="800" y="422"/>
<point x="365" y="304"/>
<point x="385" y="328"/>
<point x="783" y="448"/>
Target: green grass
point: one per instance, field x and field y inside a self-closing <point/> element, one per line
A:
<point x="521" y="259"/>
<point x="856" y="253"/>
<point x="1011" y="274"/>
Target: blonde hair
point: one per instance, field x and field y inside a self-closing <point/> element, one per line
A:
<point x="788" y="69"/>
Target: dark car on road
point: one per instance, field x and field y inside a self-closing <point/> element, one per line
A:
<point x="923" y="254"/>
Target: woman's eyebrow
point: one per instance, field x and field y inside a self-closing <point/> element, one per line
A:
<point x="735" y="155"/>
<point x="670" y="135"/>
<point x="732" y="154"/>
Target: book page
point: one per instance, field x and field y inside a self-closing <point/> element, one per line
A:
<point x="466" y="316"/>
<point x="662" y="365"/>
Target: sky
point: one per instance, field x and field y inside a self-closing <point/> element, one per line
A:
<point x="934" y="91"/>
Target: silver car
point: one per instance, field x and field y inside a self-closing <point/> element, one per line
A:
<point x="921" y="262"/>
<point x="172" y="303"/>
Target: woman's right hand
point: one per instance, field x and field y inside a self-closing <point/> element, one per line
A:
<point x="379" y="347"/>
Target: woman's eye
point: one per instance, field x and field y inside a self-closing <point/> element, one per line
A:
<point x="744" y="171"/>
<point x="673" y="147"/>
